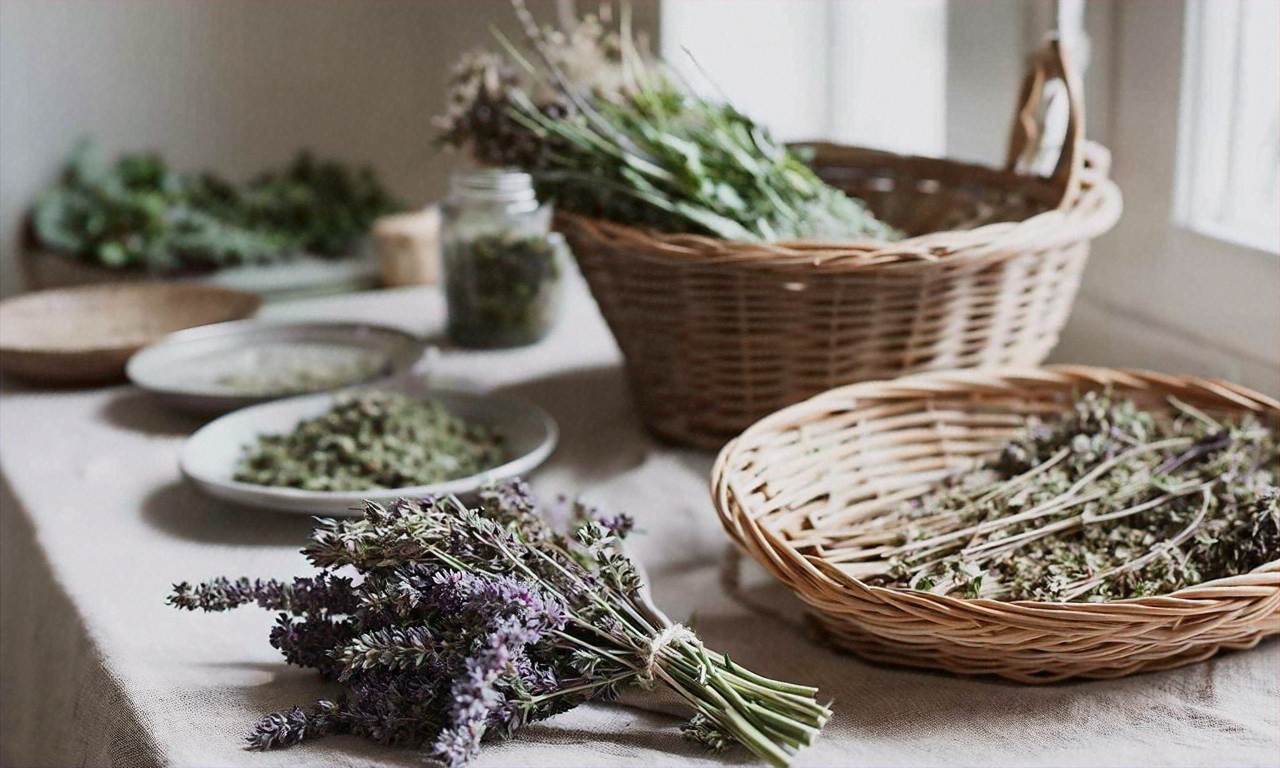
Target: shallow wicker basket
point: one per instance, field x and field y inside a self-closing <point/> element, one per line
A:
<point x="799" y="485"/>
<point x="716" y="333"/>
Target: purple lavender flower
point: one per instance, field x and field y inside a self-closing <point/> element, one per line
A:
<point x="220" y="594"/>
<point x="619" y="525"/>
<point x="573" y="513"/>
<point x="474" y="697"/>
<point x="462" y="624"/>
<point x="395" y="648"/>
<point x="321" y="594"/>
<point x="510" y="501"/>
<point x="284" y="729"/>
<point x="313" y="642"/>
<point x="396" y="707"/>
<point x="485" y="599"/>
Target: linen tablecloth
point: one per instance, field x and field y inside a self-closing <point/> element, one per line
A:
<point x="97" y="670"/>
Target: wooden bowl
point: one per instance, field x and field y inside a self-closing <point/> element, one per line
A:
<point x="85" y="335"/>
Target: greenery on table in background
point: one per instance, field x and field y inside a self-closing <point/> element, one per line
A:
<point x="462" y="624"/>
<point x="137" y="212"/>
<point x="500" y="288"/>
<point x="371" y="440"/>
<point x="607" y="131"/>
<point x="1108" y="502"/>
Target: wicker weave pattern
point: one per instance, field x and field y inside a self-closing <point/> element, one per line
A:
<point x="716" y="334"/>
<point x="803" y="484"/>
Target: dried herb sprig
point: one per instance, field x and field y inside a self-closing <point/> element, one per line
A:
<point x="1108" y="502"/>
<point x="373" y="439"/>
<point x="463" y="624"/>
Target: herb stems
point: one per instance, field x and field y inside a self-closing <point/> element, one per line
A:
<point x="1108" y="502"/>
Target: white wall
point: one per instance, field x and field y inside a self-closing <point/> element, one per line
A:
<point x="986" y="53"/>
<point x="232" y="85"/>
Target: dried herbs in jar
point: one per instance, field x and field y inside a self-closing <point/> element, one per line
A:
<point x="502" y="291"/>
<point x="501" y="263"/>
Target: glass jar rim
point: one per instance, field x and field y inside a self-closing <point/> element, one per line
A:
<point x="508" y="184"/>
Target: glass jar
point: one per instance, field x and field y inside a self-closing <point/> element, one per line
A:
<point x="502" y="265"/>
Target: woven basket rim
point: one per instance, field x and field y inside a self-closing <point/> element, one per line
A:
<point x="724" y="496"/>
<point x="1093" y="213"/>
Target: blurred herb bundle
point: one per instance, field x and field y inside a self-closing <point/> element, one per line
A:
<point x="446" y="625"/>
<point x="137" y="212"/>
<point x="609" y="131"/>
<point x="1108" y="502"/>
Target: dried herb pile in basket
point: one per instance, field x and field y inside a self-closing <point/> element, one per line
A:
<point x="139" y="212"/>
<point x="373" y="440"/>
<point x="1108" y="502"/>
<point x="461" y="624"/>
<point x="607" y="131"/>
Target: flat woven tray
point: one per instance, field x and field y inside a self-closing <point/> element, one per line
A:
<point x="795" y="485"/>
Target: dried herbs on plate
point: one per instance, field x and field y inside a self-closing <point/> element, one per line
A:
<point x="461" y="624"/>
<point x="373" y="440"/>
<point x="1108" y="502"/>
<point x="607" y="131"/>
<point x="276" y="369"/>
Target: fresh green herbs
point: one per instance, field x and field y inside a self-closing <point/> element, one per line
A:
<point x="139" y="213"/>
<point x="608" y="132"/>
<point x="1108" y="502"/>
<point x="373" y="440"/>
<point x="443" y="626"/>
<point x="500" y="289"/>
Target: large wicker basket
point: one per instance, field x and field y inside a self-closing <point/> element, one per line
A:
<point x="801" y="484"/>
<point x="717" y="333"/>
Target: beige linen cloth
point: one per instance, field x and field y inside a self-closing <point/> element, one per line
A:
<point x="97" y="671"/>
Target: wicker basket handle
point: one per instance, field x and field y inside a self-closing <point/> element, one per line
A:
<point x="1047" y="64"/>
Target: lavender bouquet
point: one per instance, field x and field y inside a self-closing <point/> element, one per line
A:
<point x="460" y="624"/>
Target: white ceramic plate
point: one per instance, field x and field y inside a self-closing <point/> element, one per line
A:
<point x="181" y="369"/>
<point x="209" y="456"/>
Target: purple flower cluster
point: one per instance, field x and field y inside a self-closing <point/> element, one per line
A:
<point x="324" y="593"/>
<point x="451" y="632"/>
<point x="464" y="624"/>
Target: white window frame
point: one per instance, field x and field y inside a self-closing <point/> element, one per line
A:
<point x="1157" y="293"/>
<point x="1211" y="158"/>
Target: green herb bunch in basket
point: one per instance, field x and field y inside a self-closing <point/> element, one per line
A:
<point x="608" y="131"/>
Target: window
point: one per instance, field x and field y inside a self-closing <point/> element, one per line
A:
<point x="1229" y="151"/>
<point x="857" y="72"/>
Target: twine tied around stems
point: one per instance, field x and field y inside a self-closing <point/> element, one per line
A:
<point x="669" y="634"/>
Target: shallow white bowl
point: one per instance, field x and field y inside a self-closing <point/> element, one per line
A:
<point x="209" y="456"/>
<point x="164" y="369"/>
